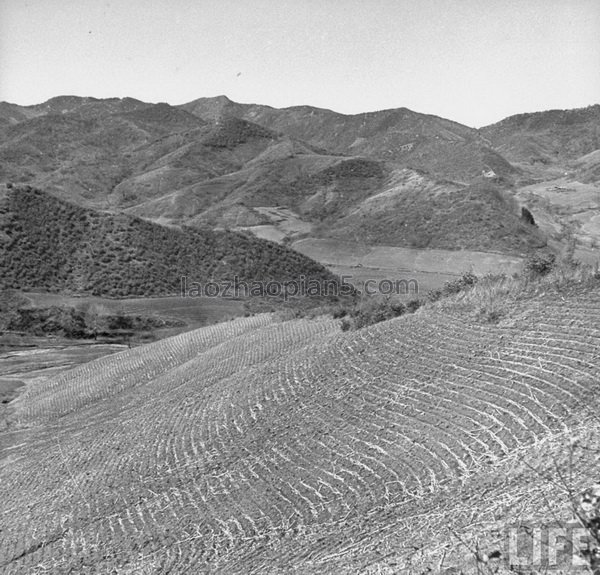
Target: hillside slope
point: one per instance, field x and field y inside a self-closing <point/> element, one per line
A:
<point x="46" y="243"/>
<point x="82" y="154"/>
<point x="441" y="147"/>
<point x="11" y="114"/>
<point x="307" y="450"/>
<point x="393" y="177"/>
<point x="165" y="164"/>
<point x="415" y="211"/>
<point x="315" y="186"/>
<point x="553" y="137"/>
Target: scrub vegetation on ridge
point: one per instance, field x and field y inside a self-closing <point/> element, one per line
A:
<point x="47" y="243"/>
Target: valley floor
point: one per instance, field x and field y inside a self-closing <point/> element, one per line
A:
<point x="420" y="270"/>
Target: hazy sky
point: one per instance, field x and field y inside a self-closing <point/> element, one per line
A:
<point x="473" y="61"/>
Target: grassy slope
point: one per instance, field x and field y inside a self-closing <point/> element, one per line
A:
<point x="444" y="148"/>
<point x="554" y="136"/>
<point x="210" y="163"/>
<point x="84" y="154"/>
<point x="315" y="185"/>
<point x="417" y="212"/>
<point x="357" y="197"/>
<point x="328" y="453"/>
<point x="54" y="245"/>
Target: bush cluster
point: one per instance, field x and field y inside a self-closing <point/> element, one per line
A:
<point x="465" y="282"/>
<point x="231" y="132"/>
<point x="80" y="322"/>
<point x="372" y="311"/>
<point x="538" y="265"/>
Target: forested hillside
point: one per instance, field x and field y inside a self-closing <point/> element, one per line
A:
<point x="50" y="244"/>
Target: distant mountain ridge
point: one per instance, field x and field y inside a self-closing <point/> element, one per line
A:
<point x="442" y="147"/>
<point x="215" y="163"/>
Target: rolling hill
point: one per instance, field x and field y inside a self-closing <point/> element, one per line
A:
<point x="81" y="154"/>
<point x="354" y="197"/>
<point x="414" y="211"/>
<point x="261" y="446"/>
<point x="313" y="185"/>
<point x="550" y="138"/>
<point x="558" y="154"/>
<point x="11" y="114"/>
<point x="393" y="177"/>
<point x="50" y="244"/>
<point x="441" y="147"/>
<point x="444" y="148"/>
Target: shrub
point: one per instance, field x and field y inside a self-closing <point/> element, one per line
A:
<point x="490" y="315"/>
<point x="527" y="216"/>
<point x="434" y="295"/>
<point x="587" y="508"/>
<point x="339" y="313"/>
<point x="413" y="305"/>
<point x="373" y="310"/>
<point x="466" y="281"/>
<point x="539" y="265"/>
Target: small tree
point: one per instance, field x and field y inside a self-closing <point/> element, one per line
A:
<point x="527" y="216"/>
<point x="95" y="317"/>
<point x="587" y="509"/>
<point x="10" y="302"/>
<point x="540" y="264"/>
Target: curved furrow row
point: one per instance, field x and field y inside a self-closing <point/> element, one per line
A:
<point x="112" y="374"/>
<point x="405" y="374"/>
<point x="237" y="441"/>
<point x="208" y="372"/>
<point x="393" y="388"/>
<point x="112" y="473"/>
<point x="494" y="367"/>
<point x="350" y="421"/>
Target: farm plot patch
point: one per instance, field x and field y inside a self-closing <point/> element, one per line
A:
<point x="430" y="268"/>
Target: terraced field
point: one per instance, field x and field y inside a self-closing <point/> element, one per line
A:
<point x="258" y="446"/>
